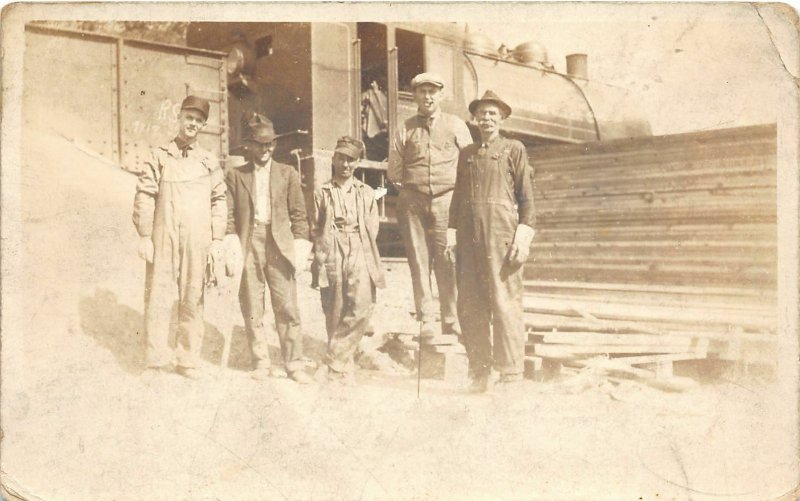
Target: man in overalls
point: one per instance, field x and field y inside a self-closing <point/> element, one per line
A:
<point x="422" y="164"/>
<point x="180" y="214"/>
<point x="347" y="266"/>
<point x="491" y="221"/>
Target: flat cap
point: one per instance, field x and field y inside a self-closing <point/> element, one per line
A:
<point x="349" y="146"/>
<point x="196" y="103"/>
<point x="427" y="78"/>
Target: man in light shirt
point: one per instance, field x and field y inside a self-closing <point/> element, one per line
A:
<point x="267" y="214"/>
<point x="422" y="163"/>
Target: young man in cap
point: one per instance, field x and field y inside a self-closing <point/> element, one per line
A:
<point x="422" y="162"/>
<point x="179" y="212"/>
<point x="346" y="266"/>
<point x="267" y="213"/>
<point x="489" y="237"/>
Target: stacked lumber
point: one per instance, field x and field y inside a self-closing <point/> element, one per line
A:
<point x="687" y="209"/>
<point x="654" y="250"/>
<point x="438" y="357"/>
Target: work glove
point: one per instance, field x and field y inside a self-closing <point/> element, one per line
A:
<point x="233" y="254"/>
<point x="450" y="249"/>
<point x="302" y="248"/>
<point x="216" y="251"/>
<point x="146" y="249"/>
<point x="521" y="246"/>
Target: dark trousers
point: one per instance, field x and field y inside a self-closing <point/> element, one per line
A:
<point x="423" y="222"/>
<point x="265" y="266"/>
<point x="348" y="302"/>
<point x="489" y="301"/>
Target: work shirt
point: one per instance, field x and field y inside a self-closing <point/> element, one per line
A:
<point x="345" y="215"/>
<point x="494" y="175"/>
<point x="425" y="152"/>
<point x="263" y="214"/>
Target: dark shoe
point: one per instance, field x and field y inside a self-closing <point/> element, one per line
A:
<point x="300" y="377"/>
<point x="325" y="374"/>
<point x="451" y="328"/>
<point x="511" y="378"/>
<point x="192" y="373"/>
<point x="483" y="382"/>
<point x="480" y="384"/>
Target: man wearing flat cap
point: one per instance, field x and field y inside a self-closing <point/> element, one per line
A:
<point x="422" y="162"/>
<point x="346" y="266"/>
<point x="179" y="212"/>
<point x="489" y="237"/>
<point x="266" y="212"/>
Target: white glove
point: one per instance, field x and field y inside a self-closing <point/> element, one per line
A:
<point x="302" y="248"/>
<point x="521" y="247"/>
<point x="233" y="254"/>
<point x="216" y="251"/>
<point x="450" y="249"/>
<point x="146" y="249"/>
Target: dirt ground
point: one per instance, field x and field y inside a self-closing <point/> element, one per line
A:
<point x="80" y="423"/>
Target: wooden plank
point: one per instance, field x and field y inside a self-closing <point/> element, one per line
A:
<point x="652" y="359"/>
<point x="537" y="304"/>
<point x="568" y="350"/>
<point x="597" y="338"/>
<point x="649" y="288"/>
<point x="442" y="339"/>
<point x="446" y="348"/>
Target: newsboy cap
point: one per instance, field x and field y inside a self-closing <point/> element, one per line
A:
<point x="349" y="146"/>
<point x="427" y="78"/>
<point x="490" y="97"/>
<point x="197" y="104"/>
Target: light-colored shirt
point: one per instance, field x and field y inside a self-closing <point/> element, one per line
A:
<point x="424" y="151"/>
<point x="345" y="215"/>
<point x="263" y="212"/>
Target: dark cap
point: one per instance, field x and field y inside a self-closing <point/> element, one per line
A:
<point x="196" y="103"/>
<point x="490" y="97"/>
<point x="349" y="146"/>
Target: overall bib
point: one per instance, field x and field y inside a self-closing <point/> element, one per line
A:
<point x="181" y="237"/>
<point x="490" y="291"/>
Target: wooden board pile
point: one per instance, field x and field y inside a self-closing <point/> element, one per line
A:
<point x="640" y="338"/>
<point x="441" y="357"/>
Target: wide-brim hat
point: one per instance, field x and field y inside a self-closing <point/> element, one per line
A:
<point x="263" y="133"/>
<point x="490" y="97"/>
<point x="197" y="104"/>
<point x="349" y="146"/>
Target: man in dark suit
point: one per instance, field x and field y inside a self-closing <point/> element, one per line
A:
<point x="267" y="213"/>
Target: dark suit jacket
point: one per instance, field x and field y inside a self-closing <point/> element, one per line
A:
<point x="289" y="220"/>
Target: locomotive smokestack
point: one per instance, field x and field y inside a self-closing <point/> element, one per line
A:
<point x="578" y="66"/>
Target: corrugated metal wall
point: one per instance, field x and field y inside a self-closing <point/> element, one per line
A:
<point x="686" y="220"/>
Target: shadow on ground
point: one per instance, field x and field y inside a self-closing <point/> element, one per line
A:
<point x="120" y="330"/>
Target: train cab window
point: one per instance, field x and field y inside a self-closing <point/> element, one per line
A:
<point x="410" y="57"/>
<point x="374" y="88"/>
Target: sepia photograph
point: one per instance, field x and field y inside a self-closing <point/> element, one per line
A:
<point x="400" y="251"/>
